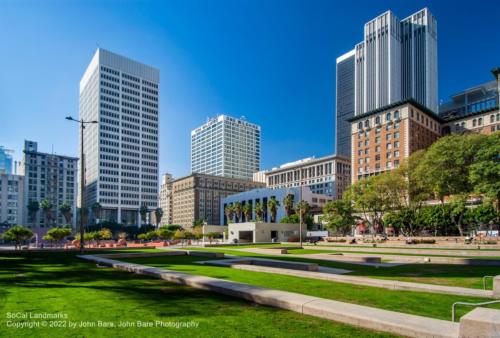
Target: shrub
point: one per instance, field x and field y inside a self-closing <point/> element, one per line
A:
<point x="336" y="240"/>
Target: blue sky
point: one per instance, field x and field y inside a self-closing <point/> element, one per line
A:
<point x="272" y="61"/>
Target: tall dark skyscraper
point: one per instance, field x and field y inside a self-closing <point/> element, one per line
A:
<point x="344" y="106"/>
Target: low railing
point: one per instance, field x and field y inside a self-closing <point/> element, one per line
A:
<point x="484" y="281"/>
<point x="453" y="307"/>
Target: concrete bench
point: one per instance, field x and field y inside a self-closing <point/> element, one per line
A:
<point x="358" y="258"/>
<point x="480" y="322"/>
<point x="285" y="264"/>
<point x="496" y="287"/>
<point x="205" y="253"/>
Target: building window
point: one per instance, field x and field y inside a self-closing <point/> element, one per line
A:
<point x="360" y="125"/>
<point x="396" y="114"/>
<point x="492" y="118"/>
<point x="388" y="116"/>
<point x="377" y="149"/>
<point x="377" y="120"/>
<point x="396" y="134"/>
<point x="377" y="140"/>
<point x="388" y="146"/>
<point x="474" y="122"/>
<point x="388" y="136"/>
<point x="367" y="123"/>
<point x="480" y="121"/>
<point x="388" y="127"/>
<point x="396" y="153"/>
<point x="396" y="144"/>
<point x="377" y="131"/>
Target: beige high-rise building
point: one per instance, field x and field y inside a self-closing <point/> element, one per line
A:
<point x="198" y="197"/>
<point x="165" y="201"/>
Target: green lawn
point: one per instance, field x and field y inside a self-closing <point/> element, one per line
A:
<point x="469" y="276"/>
<point x="425" y="304"/>
<point x="473" y="247"/>
<point x="372" y="253"/>
<point x="62" y="284"/>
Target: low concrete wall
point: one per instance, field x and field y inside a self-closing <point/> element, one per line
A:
<point x="358" y="258"/>
<point x="444" y="252"/>
<point x="496" y="287"/>
<point x="358" y="315"/>
<point x="165" y="253"/>
<point x="480" y="322"/>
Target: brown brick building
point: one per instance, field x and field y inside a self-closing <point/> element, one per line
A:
<point x="382" y="138"/>
<point x="198" y="196"/>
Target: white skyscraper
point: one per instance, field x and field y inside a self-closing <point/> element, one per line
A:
<point x="397" y="60"/>
<point x="121" y="152"/>
<point x="226" y="146"/>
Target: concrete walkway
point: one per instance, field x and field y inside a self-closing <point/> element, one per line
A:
<point x="352" y="314"/>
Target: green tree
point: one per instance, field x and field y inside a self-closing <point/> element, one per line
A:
<point x="158" y="216"/>
<point x="211" y="236"/>
<point x="96" y="209"/>
<point x="143" y="211"/>
<point x="484" y="173"/>
<point x="165" y="234"/>
<point x="338" y="216"/>
<point x="33" y="207"/>
<point x="445" y="169"/>
<point x="237" y="211"/>
<point x="229" y="210"/>
<point x="288" y="203"/>
<point x="247" y="211"/>
<point x="179" y="235"/>
<point x="458" y="206"/>
<point x="259" y="211"/>
<point x="57" y="234"/>
<point x="374" y="196"/>
<point x="173" y="227"/>
<point x="105" y="234"/>
<point x="46" y="206"/>
<point x="65" y="210"/>
<point x="17" y="234"/>
<point x="302" y="208"/>
<point x="197" y="223"/>
<point x="273" y="205"/>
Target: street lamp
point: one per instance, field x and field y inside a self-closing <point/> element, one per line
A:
<point x="82" y="176"/>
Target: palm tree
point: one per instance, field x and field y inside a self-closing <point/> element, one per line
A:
<point x="65" y="210"/>
<point x="288" y="204"/>
<point x="237" y="210"/>
<point x="46" y="206"/>
<point x="96" y="208"/>
<point x="247" y="211"/>
<point x="144" y="212"/>
<point x="33" y="207"/>
<point x="259" y="210"/>
<point x="158" y="216"/>
<point x="303" y="208"/>
<point x="273" y="205"/>
<point x="228" y="210"/>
